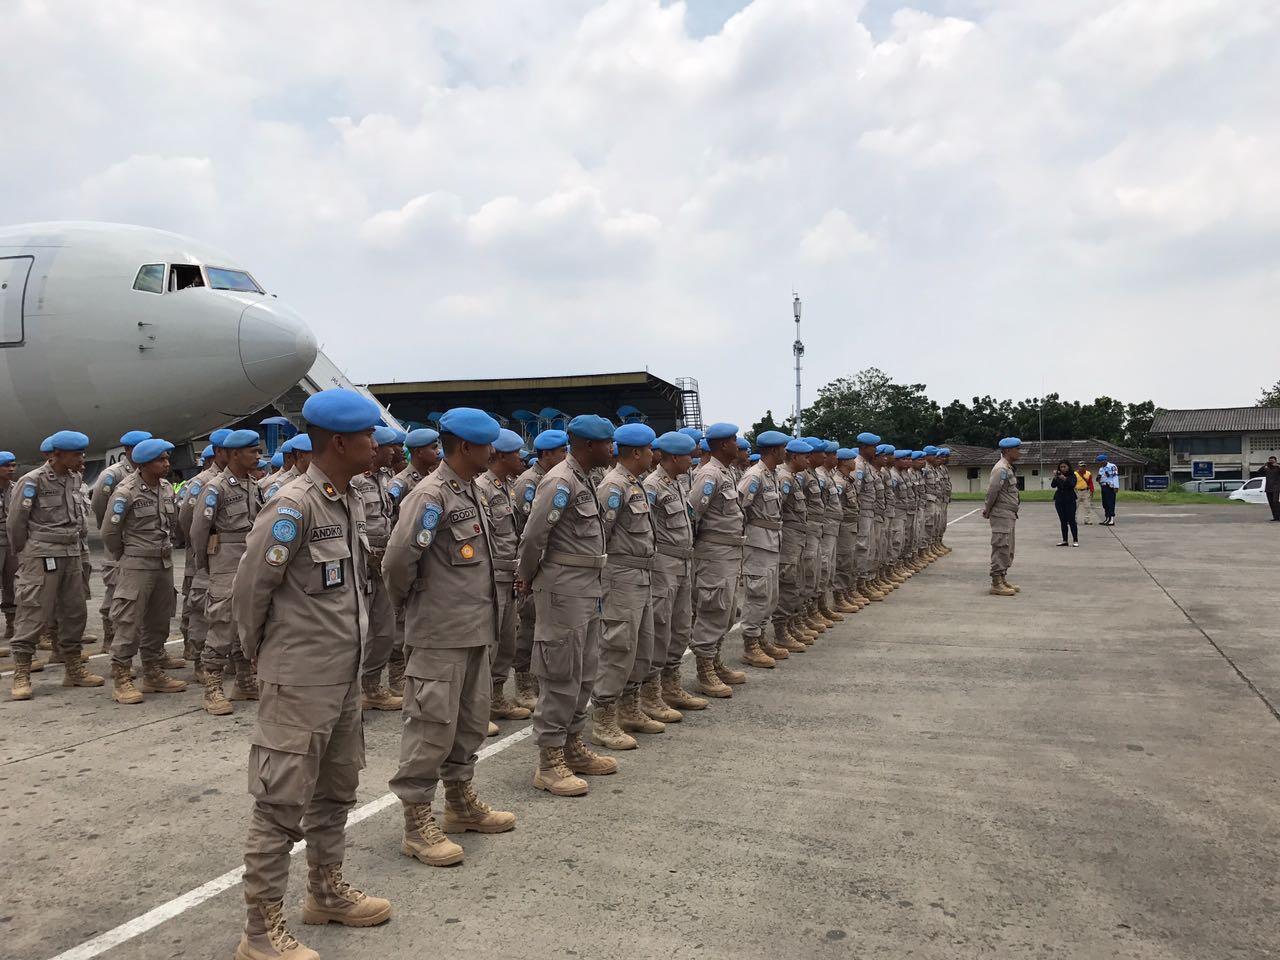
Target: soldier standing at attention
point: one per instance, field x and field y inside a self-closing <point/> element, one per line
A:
<point x="137" y="531"/>
<point x="46" y="522"/>
<point x="788" y="619"/>
<point x="944" y="453"/>
<point x="424" y="454"/>
<point x="8" y="561"/>
<point x="300" y="447"/>
<point x="377" y="502"/>
<point x="832" y="494"/>
<point x="1001" y="508"/>
<point x="561" y="560"/>
<point x="495" y="489"/>
<point x="552" y="446"/>
<point x="901" y="493"/>
<point x="762" y="508"/>
<point x="102" y="489"/>
<point x="626" y="641"/>
<point x="283" y="460"/>
<point x="300" y="603"/>
<point x="672" y="579"/>
<point x="863" y="479"/>
<point x="717" y="559"/>
<point x="846" y="596"/>
<point x="220" y="525"/>
<point x="439" y="567"/>
<point x="196" y="600"/>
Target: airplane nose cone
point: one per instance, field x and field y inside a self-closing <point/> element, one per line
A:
<point x="276" y="348"/>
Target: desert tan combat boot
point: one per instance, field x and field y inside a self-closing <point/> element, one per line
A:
<point x="526" y="690"/>
<point x="122" y="688"/>
<point x="824" y="607"/>
<point x="634" y="720"/>
<point x="1000" y="589"/>
<point x="653" y="706"/>
<point x="605" y="731"/>
<point x="709" y="681"/>
<point x="843" y="604"/>
<point x="155" y="680"/>
<point x="726" y="673"/>
<point x="869" y="591"/>
<point x="75" y="675"/>
<point x="245" y="686"/>
<point x="464" y="811"/>
<point x="800" y="633"/>
<point x="1012" y="586"/>
<point x="266" y="937"/>
<point x="424" y="840"/>
<point x="553" y="776"/>
<point x="395" y="675"/>
<point x="330" y="899"/>
<point x="21" y="685"/>
<point x="215" y="700"/>
<point x="500" y="708"/>
<point x="580" y="758"/>
<point x="674" y="695"/>
<point x="784" y="640"/>
<point x="754" y="656"/>
<point x="771" y="648"/>
<point x="169" y="663"/>
<point x="46" y="639"/>
<point x="374" y="696"/>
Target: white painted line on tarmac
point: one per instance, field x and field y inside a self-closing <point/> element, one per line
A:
<point x="969" y="514"/>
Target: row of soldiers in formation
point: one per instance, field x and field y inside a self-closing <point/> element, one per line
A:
<point x="592" y="570"/>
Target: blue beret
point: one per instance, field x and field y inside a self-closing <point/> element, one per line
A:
<point x="944" y="451"/>
<point x="1008" y="443"/>
<point x="742" y="444"/>
<point x="383" y="435"/>
<point x="704" y="446"/>
<point x="508" y="441"/>
<point x="341" y="411"/>
<point x="1102" y="458"/>
<point x="884" y="448"/>
<point x="634" y="435"/>
<point x="422" y="437"/>
<point x="241" y="440"/>
<point x="277" y="459"/>
<point x="46" y="445"/>
<point x="613" y="448"/>
<point x="6" y="458"/>
<point x="532" y="461"/>
<point x="814" y="442"/>
<point x="691" y="432"/>
<point x="301" y="443"/>
<point x="287" y="446"/>
<point x="772" y="438"/>
<point x="401" y="436"/>
<point x="867" y="439"/>
<point x="588" y="426"/>
<point x="754" y="458"/>
<point x="470" y="424"/>
<point x="845" y="453"/>
<point x="798" y="446"/>
<point x="218" y="436"/>
<point x="676" y="443"/>
<point x="144" y="451"/>
<point x="69" y="440"/>
<point x="263" y="464"/>
<point x="207" y="452"/>
<point x="930" y="451"/>
<point x="917" y="454"/>
<point x="134" y="437"/>
<point x="832" y="447"/>
<point x="719" y="431"/>
<point x="902" y="454"/>
<point x="550" y="440"/>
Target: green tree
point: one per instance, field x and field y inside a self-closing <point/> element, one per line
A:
<point x="1270" y="396"/>
<point x="1102" y="420"/>
<point x="870" y="400"/>
<point x="767" y="423"/>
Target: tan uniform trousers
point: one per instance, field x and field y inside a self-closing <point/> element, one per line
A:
<point x="304" y="768"/>
<point x="49" y="596"/>
<point x="188" y="574"/>
<point x="626" y="635"/>
<point x="1001" y="544"/>
<point x="502" y="651"/>
<point x="198" y="604"/>
<point x="566" y="645"/>
<point x="897" y="538"/>
<point x="715" y="585"/>
<point x="1084" y="505"/>
<point x="846" y="559"/>
<point x="672" y="588"/>
<point x="141" y="608"/>
<point x="446" y="717"/>
<point x="827" y="560"/>
<point x="382" y="631"/>
<point x="811" y="565"/>
<point x="108" y="592"/>
<point x="760" y="580"/>
<point x="791" y="595"/>
<point x="865" y="547"/>
<point x="527" y="615"/>
<point x="884" y="534"/>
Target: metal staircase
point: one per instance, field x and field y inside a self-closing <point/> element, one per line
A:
<point x="690" y="402"/>
<point x="324" y="373"/>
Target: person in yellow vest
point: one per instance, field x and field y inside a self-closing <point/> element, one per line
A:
<point x="1084" y="493"/>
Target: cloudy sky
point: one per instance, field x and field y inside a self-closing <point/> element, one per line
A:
<point x="984" y="196"/>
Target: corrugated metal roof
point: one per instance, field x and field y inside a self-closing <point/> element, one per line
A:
<point x="1073" y="451"/>
<point x="1217" y="420"/>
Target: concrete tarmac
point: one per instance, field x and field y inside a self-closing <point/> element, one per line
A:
<point x="1088" y="770"/>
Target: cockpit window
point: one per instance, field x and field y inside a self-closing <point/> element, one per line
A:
<point x="184" y="275"/>
<point x="150" y="278"/>
<point x="222" y="279"/>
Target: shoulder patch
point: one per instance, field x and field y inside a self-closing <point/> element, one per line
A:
<point x="615" y="498"/>
<point x="708" y="488"/>
<point x="108" y="480"/>
<point x="277" y="554"/>
<point x="430" y="517"/>
<point x="289" y="512"/>
<point x="395" y="490"/>
<point x="653" y="496"/>
<point x="786" y="486"/>
<point x="423" y="539"/>
<point x="272" y="490"/>
<point x="29" y="490"/>
<point x="195" y="487"/>
<point x="529" y="492"/>
<point x="561" y="499"/>
<point x="119" y="506"/>
<point x="857" y="474"/>
<point x="211" y="499"/>
<point x="284" y="530"/>
<point x="754" y="486"/>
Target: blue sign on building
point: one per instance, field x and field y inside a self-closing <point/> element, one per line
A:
<point x="1201" y="469"/>
<point x="1155" y="483"/>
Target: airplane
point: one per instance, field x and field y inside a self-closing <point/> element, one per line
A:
<point x="106" y="328"/>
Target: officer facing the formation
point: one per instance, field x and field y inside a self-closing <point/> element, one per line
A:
<point x="103" y="487"/>
<point x="717" y="559"/>
<point x="137" y="532"/>
<point x="1001" y="508"/>
<point x="762" y="508"/>
<point x="551" y="447"/>
<point x="8" y="560"/>
<point x="300" y="602"/>
<point x="439" y="567"/>
<point x="46" y="522"/>
<point x="626" y="643"/>
<point x="561" y="560"/>
<point x="221" y="520"/>
<point x="378" y="509"/>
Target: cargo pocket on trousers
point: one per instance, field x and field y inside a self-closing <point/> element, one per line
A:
<point x="280" y="765"/>
<point x="712" y="597"/>
<point x="552" y="659"/>
<point x="427" y="700"/>
<point x="1001" y="540"/>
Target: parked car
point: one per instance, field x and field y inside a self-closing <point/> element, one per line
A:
<point x="1221" y="487"/>
<point x="1251" y="492"/>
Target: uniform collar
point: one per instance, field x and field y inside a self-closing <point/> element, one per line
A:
<point x="450" y="478"/>
<point x="576" y="467"/>
<point x="323" y="483"/>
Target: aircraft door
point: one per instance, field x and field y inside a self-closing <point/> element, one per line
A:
<point x="13" y="287"/>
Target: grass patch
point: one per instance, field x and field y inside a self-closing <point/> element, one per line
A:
<point x="1173" y="497"/>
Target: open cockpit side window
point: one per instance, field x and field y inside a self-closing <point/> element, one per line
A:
<point x="150" y="278"/>
<point x="185" y="275"/>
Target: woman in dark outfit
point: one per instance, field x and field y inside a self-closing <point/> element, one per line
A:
<point x="1064" y="500"/>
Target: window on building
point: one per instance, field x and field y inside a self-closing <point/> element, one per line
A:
<point x="1194" y="446"/>
<point x="972" y="473"/>
<point x="150" y="278"/>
